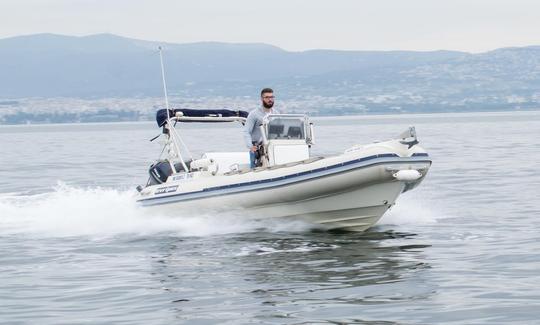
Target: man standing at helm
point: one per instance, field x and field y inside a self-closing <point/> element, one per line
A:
<point x="252" y="130"/>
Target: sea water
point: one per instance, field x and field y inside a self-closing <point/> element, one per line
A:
<point x="463" y="248"/>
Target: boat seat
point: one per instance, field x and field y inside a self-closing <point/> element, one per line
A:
<point x="229" y="161"/>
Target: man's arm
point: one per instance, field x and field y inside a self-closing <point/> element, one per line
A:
<point x="248" y="128"/>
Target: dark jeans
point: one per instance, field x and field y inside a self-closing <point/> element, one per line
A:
<point x="252" y="157"/>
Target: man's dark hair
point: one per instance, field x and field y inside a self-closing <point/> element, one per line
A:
<point x="266" y="90"/>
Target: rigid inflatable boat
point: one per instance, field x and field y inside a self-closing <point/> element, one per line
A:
<point x="350" y="191"/>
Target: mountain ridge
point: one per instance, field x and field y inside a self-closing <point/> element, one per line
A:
<point x="108" y="65"/>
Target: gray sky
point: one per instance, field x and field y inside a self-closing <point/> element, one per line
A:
<point x="467" y="25"/>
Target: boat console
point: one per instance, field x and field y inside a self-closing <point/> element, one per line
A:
<point x="287" y="138"/>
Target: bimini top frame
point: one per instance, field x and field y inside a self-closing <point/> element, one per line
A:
<point x="167" y="118"/>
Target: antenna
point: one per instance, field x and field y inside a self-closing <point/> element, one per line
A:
<point x="172" y="131"/>
<point x="164" y="82"/>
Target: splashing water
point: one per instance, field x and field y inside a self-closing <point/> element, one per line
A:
<point x="410" y="210"/>
<point x="73" y="211"/>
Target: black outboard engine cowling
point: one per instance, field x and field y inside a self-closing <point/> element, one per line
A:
<point x="161" y="170"/>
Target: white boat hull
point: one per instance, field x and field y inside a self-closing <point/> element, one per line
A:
<point x="348" y="192"/>
<point x="354" y="209"/>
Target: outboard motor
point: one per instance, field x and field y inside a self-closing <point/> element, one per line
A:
<point x="161" y="170"/>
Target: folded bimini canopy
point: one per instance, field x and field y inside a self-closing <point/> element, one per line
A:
<point x="197" y="115"/>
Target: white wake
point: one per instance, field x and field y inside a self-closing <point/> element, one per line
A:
<point x="73" y="211"/>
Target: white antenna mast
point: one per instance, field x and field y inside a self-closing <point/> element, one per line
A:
<point x="164" y="82"/>
<point x="171" y="129"/>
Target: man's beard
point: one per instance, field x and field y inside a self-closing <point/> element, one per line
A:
<point x="268" y="105"/>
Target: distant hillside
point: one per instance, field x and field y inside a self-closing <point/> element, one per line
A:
<point x="105" y="65"/>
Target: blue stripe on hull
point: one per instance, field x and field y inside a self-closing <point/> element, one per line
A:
<point x="283" y="180"/>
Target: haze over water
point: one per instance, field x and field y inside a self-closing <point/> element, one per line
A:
<point x="460" y="249"/>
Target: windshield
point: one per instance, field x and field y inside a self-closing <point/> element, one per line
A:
<point x="286" y="128"/>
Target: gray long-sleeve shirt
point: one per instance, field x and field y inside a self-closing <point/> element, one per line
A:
<point x="252" y="130"/>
